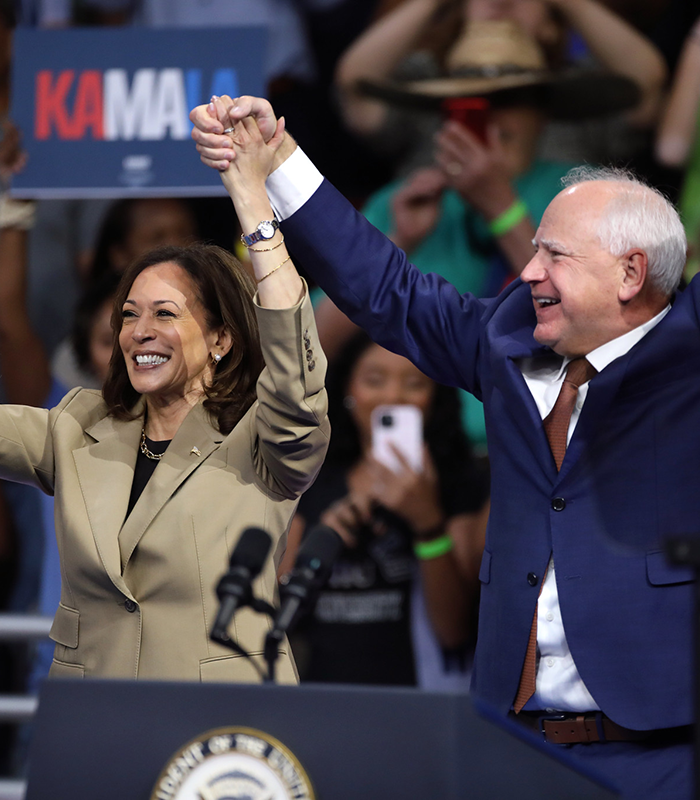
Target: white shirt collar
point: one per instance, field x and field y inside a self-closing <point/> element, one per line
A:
<point x="604" y="355"/>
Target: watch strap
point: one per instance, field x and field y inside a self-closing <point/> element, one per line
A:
<point x="256" y="236"/>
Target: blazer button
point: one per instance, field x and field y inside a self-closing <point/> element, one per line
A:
<point x="532" y="579"/>
<point x="558" y="504"/>
<point x="130" y="606"/>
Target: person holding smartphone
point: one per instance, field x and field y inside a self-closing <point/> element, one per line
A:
<point x="400" y="604"/>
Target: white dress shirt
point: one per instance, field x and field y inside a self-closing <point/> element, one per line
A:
<point x="558" y="684"/>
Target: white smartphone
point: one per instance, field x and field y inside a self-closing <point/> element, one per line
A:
<point x="402" y="427"/>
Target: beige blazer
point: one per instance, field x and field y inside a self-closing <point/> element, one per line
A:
<point x="138" y="596"/>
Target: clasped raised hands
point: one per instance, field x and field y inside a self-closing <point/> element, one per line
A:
<point x="240" y="138"/>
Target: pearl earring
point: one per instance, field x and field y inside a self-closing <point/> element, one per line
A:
<point x="216" y="357"/>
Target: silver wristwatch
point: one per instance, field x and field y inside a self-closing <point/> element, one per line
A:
<point x="265" y="230"/>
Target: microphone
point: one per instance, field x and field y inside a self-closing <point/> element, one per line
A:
<point x="234" y="589"/>
<point x="311" y="570"/>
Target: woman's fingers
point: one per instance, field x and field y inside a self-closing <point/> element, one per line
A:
<point x="205" y="120"/>
<point x="215" y="157"/>
<point x="250" y="115"/>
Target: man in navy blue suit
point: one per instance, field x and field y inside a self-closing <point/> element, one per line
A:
<point x="575" y="537"/>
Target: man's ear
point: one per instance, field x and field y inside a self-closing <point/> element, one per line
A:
<point x="634" y="275"/>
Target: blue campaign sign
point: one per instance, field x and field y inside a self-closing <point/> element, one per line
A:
<point x="104" y="112"/>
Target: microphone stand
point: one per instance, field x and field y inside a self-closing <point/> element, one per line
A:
<point x="274" y="637"/>
<point x="271" y="651"/>
<point x="685" y="551"/>
<point x="261" y="607"/>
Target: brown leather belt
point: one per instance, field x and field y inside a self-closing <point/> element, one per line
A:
<point x="579" y="728"/>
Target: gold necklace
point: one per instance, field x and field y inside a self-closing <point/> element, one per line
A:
<point x="144" y="449"/>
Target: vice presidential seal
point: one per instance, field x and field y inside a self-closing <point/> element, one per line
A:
<point x="233" y="764"/>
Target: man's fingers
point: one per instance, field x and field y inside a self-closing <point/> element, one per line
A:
<point x="278" y="136"/>
<point x="258" y="107"/>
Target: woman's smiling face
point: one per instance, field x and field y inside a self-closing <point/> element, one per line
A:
<point x="165" y="339"/>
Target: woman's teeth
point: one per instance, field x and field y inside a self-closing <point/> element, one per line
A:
<point x="150" y="360"/>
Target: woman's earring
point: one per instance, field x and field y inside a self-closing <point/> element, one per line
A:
<point x="216" y="357"/>
<point x="349" y="402"/>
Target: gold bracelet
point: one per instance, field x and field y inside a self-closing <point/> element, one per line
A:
<point x="267" y="274"/>
<point x="264" y="249"/>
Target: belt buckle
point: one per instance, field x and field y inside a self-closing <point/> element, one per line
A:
<point x="554" y="718"/>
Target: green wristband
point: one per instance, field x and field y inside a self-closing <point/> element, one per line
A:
<point x="434" y="548"/>
<point x="506" y="221"/>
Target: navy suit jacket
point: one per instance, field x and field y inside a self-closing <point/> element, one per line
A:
<point x="630" y="477"/>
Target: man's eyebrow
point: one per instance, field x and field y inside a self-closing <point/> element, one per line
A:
<point x="552" y="244"/>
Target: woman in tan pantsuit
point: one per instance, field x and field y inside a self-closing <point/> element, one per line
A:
<point x="190" y="441"/>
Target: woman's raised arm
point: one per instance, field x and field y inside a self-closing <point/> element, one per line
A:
<point x="279" y="285"/>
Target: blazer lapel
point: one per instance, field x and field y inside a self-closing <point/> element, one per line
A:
<point x="530" y="422"/>
<point x="193" y="443"/>
<point x="518" y="399"/>
<point x="602" y="391"/>
<point x="106" y="472"/>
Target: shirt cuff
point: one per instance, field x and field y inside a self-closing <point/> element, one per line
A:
<point x="292" y="184"/>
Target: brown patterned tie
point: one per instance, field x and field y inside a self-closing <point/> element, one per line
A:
<point x="556" y="426"/>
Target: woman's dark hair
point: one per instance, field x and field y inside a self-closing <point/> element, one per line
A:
<point x="447" y="442"/>
<point x="115" y="228"/>
<point x="226" y="292"/>
<point x="94" y="296"/>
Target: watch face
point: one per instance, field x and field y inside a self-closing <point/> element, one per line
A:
<point x="266" y="229"/>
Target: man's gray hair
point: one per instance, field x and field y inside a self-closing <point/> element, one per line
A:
<point x="639" y="216"/>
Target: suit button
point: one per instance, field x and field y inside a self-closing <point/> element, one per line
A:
<point x="130" y="606"/>
<point x="532" y="579"/>
<point x="558" y="504"/>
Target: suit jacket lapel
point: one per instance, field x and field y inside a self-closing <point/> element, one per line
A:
<point x="530" y="422"/>
<point x="602" y="391"/>
<point x="193" y="443"/>
<point x="106" y="472"/>
<point x="520" y="402"/>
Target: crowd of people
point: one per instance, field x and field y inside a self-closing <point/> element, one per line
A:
<point x="466" y="203"/>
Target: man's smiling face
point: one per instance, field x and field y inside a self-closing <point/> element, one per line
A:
<point x="575" y="282"/>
